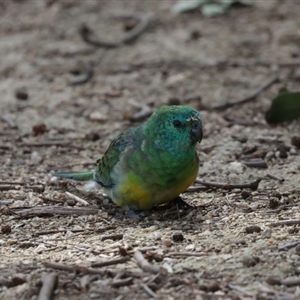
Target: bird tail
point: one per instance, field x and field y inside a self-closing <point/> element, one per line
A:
<point x="79" y="176"/>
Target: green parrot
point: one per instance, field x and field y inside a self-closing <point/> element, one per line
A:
<point x="150" y="164"/>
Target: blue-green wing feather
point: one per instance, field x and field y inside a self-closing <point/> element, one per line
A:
<point x="131" y="138"/>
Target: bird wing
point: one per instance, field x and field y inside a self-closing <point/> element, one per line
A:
<point x="129" y="140"/>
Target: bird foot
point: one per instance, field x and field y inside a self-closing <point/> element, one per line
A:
<point x="182" y="203"/>
<point x="136" y="214"/>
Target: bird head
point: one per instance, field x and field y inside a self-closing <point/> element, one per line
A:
<point x="175" y="128"/>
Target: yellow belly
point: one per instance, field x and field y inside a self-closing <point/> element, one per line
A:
<point x="132" y="193"/>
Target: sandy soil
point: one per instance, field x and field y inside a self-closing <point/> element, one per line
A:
<point x="231" y="246"/>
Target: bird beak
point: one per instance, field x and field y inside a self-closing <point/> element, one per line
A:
<point x="196" y="131"/>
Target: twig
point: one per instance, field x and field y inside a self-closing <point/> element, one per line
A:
<point x="226" y="186"/>
<point x="85" y="164"/>
<point x="8" y="120"/>
<point x="11" y="185"/>
<point x="239" y="289"/>
<point x="87" y="34"/>
<point x="50" y="282"/>
<point x="81" y="248"/>
<point x="194" y="64"/>
<point x="8" y="187"/>
<point x="286" y="222"/>
<point x="288" y="246"/>
<point x="149" y="248"/>
<point x="76" y="198"/>
<point x="240" y="121"/>
<point x="81" y="269"/>
<point x="281" y="180"/>
<point x="61" y="267"/>
<point x="75" y="268"/>
<point x="84" y="77"/>
<point x="12" y="182"/>
<point x="122" y="282"/>
<point x="85" y="270"/>
<point x="12" y="281"/>
<point x="145" y="111"/>
<point x="255" y="163"/>
<point x="186" y="254"/>
<point x="2" y="147"/>
<point x="51" y="232"/>
<point x="291" y="281"/>
<point x="249" y="98"/>
<point x="45" y="198"/>
<point x="6" y="202"/>
<point x="9" y="132"/>
<point x="148" y="290"/>
<point x="144" y="264"/>
<point x="257" y="62"/>
<point x="101" y="229"/>
<point x="51" y="143"/>
<point x="42" y="211"/>
<point x="111" y="262"/>
<point x="113" y="237"/>
<point x="194" y="188"/>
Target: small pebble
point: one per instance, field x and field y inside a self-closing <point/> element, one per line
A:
<point x="267" y="233"/>
<point x="250" y="261"/>
<point x="151" y="228"/>
<point x="38" y="188"/>
<point x="245" y="194"/>
<point x="21" y="94"/>
<point x="167" y="242"/>
<point x="53" y="180"/>
<point x="293" y="230"/>
<point x="98" y="116"/>
<point x="39" y="129"/>
<point x="252" y="229"/>
<point x="36" y="158"/>
<point x="210" y="287"/>
<point x="276" y="194"/>
<point x="178" y="237"/>
<point x="129" y="24"/>
<point x="92" y="136"/>
<point x="295" y="141"/>
<point x="5" y="229"/>
<point x="270" y="155"/>
<point x="236" y="167"/>
<point x="17" y="279"/>
<point x="157" y="236"/>
<point x="174" y="101"/>
<point x="190" y="247"/>
<point x="283" y="154"/>
<point x="195" y="34"/>
<point x="274" y="202"/>
<point x="273" y="280"/>
<point x="226" y="249"/>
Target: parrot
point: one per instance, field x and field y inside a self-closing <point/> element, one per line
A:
<point x="150" y="164"/>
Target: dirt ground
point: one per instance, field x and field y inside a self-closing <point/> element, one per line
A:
<point x="231" y="246"/>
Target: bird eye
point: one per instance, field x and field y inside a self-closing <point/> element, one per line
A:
<point x="177" y="123"/>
